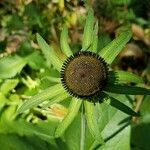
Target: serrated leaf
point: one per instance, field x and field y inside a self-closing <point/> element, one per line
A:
<point x="119" y="105"/>
<point x="11" y="66"/>
<point x="88" y="30"/>
<point x="49" y="53"/>
<point x="41" y="97"/>
<point x="129" y="90"/>
<point x="72" y="112"/>
<point x="110" y="51"/>
<point x="92" y="121"/>
<point x="64" y="42"/>
<point x="124" y="77"/>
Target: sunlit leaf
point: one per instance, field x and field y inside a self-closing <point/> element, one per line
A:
<point x="49" y="53"/>
<point x="124" y="77"/>
<point x="110" y="51"/>
<point x="3" y="100"/>
<point x="8" y="85"/>
<point x="72" y="112"/>
<point x="95" y="39"/>
<point x="114" y="126"/>
<point x="10" y="66"/>
<point x="36" y="61"/>
<point x="52" y="79"/>
<point x="41" y="97"/>
<point x="64" y="42"/>
<point x="103" y="40"/>
<point x="120" y="140"/>
<point x="56" y="99"/>
<point x="73" y="137"/>
<point x="88" y="30"/>
<point x="92" y="121"/>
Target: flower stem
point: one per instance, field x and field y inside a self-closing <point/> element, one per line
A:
<point x="83" y="124"/>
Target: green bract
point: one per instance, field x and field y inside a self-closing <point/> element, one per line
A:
<point x="116" y="80"/>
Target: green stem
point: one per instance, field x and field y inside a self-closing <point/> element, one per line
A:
<point x="82" y="138"/>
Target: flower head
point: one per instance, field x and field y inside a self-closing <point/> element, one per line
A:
<point x="86" y="78"/>
<point x="84" y="75"/>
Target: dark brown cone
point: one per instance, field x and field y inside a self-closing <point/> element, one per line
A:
<point x="84" y="75"/>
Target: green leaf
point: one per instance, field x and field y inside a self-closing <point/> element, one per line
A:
<point x="95" y="38"/>
<point x="123" y="77"/>
<point x="16" y="142"/>
<point x="72" y="112"/>
<point x="52" y="79"/>
<point x="129" y="90"/>
<point x="72" y="134"/>
<point x="140" y="136"/>
<point x="88" y="30"/>
<point x="49" y="53"/>
<point x="57" y="99"/>
<point x="42" y="129"/>
<point x="114" y="126"/>
<point x="41" y="97"/>
<point x="64" y="42"/>
<point x="36" y="61"/>
<point x="3" y="100"/>
<point x="110" y="51"/>
<point x="92" y="121"/>
<point x="10" y="66"/>
<point x="140" y="132"/>
<point x="8" y="85"/>
<point x="83" y="128"/>
<point x="119" y="105"/>
<point x="103" y="40"/>
<point x="145" y="109"/>
<point x="121" y="2"/>
<point x="120" y="140"/>
<point x="73" y="137"/>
